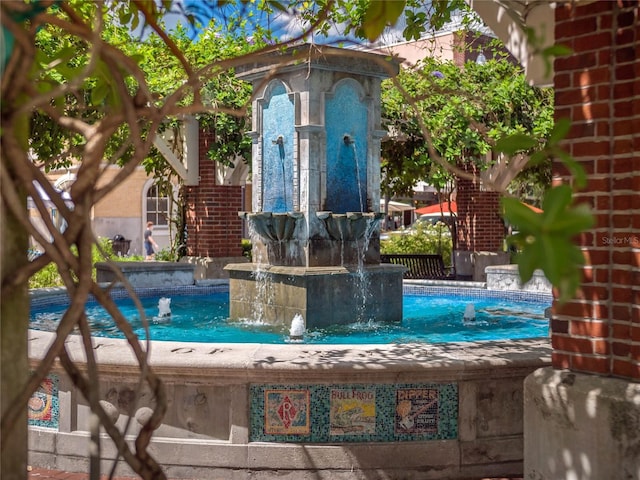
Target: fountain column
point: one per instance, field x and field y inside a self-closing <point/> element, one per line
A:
<point x="316" y="187"/>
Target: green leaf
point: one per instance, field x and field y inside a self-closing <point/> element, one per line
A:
<point x="557" y="51"/>
<point x="562" y="267"/>
<point x="556" y="200"/>
<point x="559" y="131"/>
<point x="379" y="14"/>
<point x="553" y="262"/>
<point x="537" y="158"/>
<point x="576" y="170"/>
<point x="574" y="222"/>
<point x="99" y="93"/>
<point x="277" y="6"/>
<point x="528" y="260"/>
<point x="517" y="142"/>
<point x="519" y="215"/>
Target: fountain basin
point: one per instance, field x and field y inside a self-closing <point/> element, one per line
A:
<point x="349" y="226"/>
<point x="147" y="274"/>
<point x="321" y="295"/>
<point x="272" y="227"/>
<point x="216" y="425"/>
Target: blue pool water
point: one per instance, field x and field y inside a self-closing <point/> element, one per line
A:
<point x="431" y="318"/>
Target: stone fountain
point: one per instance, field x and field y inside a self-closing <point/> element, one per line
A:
<point x="315" y="214"/>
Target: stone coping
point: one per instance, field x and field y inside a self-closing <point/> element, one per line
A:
<point x="146" y="266"/>
<point x="310" y="271"/>
<point x="447" y="283"/>
<point x="256" y="360"/>
<point x="511" y="268"/>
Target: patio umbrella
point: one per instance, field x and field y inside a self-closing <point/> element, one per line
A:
<point x="450" y="207"/>
<point x="453" y="208"/>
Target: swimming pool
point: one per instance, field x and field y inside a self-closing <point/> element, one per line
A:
<point x="430" y="316"/>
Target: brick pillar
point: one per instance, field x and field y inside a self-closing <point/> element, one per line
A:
<point x="598" y="88"/>
<point x="593" y="388"/>
<point x="479" y="229"/>
<point x="213" y="226"/>
<point x="480" y="226"/>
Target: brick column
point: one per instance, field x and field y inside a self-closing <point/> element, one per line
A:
<point x="480" y="226"/>
<point x="581" y="416"/>
<point x="213" y="226"/>
<point x="480" y="230"/>
<point x="598" y="88"/>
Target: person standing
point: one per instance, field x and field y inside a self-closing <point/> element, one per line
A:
<point x="150" y="245"/>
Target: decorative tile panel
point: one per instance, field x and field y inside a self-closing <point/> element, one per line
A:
<point x="354" y="413"/>
<point x="286" y="412"/>
<point x="44" y="405"/>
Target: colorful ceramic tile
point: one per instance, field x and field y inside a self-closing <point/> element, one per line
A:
<point x="43" y="406"/>
<point x="416" y="410"/>
<point x="425" y="412"/>
<point x="287" y="412"/>
<point x="352" y="411"/>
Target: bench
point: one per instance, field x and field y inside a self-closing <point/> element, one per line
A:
<point x="420" y="266"/>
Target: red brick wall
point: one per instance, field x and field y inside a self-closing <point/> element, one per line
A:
<point x="213" y="226"/>
<point x="598" y="88"/>
<point x="480" y="226"/>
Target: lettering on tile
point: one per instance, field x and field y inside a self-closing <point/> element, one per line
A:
<point x="352" y="411"/>
<point x="416" y="410"/>
<point x="287" y="412"/>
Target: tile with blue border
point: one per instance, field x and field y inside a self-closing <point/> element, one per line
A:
<point x="44" y="405"/>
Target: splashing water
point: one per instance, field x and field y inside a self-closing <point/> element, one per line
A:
<point x="164" y="307"/>
<point x="296" y="332"/>
<point x="469" y="313"/>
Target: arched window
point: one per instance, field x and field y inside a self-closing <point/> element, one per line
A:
<point x="158" y="205"/>
<point x="65" y="181"/>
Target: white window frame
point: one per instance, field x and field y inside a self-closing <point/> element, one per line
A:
<point x="161" y="233"/>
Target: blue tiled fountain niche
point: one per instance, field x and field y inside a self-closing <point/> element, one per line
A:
<point x="346" y="148"/>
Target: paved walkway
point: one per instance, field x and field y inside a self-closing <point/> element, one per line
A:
<point x="42" y="474"/>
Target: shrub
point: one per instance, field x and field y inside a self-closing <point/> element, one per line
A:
<point x="48" y="276"/>
<point x="165" y="255"/>
<point x="423" y="238"/>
